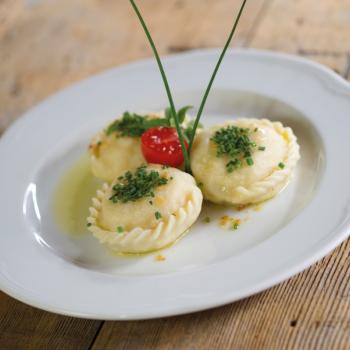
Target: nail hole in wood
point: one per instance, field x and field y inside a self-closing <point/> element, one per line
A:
<point x="293" y="323"/>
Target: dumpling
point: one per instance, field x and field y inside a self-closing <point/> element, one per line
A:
<point x="145" y="210"/>
<point x="112" y="155"/>
<point x="244" y="161"/>
<point x="117" y="149"/>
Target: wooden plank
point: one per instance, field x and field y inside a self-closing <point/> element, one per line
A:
<point x="318" y="30"/>
<point x="346" y="72"/>
<point x="10" y="11"/>
<point x="310" y="311"/>
<point x="24" y="327"/>
<point x="61" y="41"/>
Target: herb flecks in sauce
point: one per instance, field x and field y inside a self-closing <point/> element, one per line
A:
<point x="234" y="142"/>
<point x="159" y="258"/>
<point x="207" y="219"/>
<point x="236" y="224"/>
<point x="228" y="222"/>
<point x="140" y="184"/>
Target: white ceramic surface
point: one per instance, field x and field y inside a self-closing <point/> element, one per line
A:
<point x="44" y="267"/>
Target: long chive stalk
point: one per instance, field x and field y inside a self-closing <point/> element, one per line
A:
<point x="167" y="88"/>
<point x="206" y="93"/>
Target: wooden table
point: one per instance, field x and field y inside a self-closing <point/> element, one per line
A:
<point x="46" y="45"/>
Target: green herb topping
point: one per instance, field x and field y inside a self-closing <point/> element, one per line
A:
<point x="120" y="229"/>
<point x="207" y="219"/>
<point x="181" y="115"/>
<point x="235" y="143"/>
<point x="133" y="186"/>
<point x="281" y="165"/>
<point x="233" y="165"/>
<point x="88" y="224"/>
<point x="158" y="215"/>
<point x="188" y="131"/>
<point x="134" y="125"/>
<point x="235" y="226"/>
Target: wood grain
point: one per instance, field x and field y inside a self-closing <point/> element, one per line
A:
<point x="310" y="311"/>
<point x="316" y="29"/>
<point x="47" y="46"/>
<point x="24" y="327"/>
<point x="61" y="41"/>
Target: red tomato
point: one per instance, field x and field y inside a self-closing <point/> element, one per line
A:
<point x="161" y="145"/>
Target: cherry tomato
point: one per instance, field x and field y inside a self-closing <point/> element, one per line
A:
<point x="161" y="145"/>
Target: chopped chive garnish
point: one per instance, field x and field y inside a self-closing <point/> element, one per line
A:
<point x="120" y="229"/>
<point x="281" y="165"/>
<point x="88" y="224"/>
<point x="235" y="143"/>
<point x="134" y="125"/>
<point x="133" y="186"/>
<point x="233" y="164"/>
<point x="249" y="161"/>
<point x="256" y="129"/>
<point x="261" y="148"/>
<point x="150" y="202"/>
<point x="207" y="219"/>
<point x="158" y="215"/>
<point x="235" y="226"/>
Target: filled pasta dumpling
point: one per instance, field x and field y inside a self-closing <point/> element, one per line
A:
<point x="117" y="148"/>
<point x="145" y="210"/>
<point x="244" y="161"/>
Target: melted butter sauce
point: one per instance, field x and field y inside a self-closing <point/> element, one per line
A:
<point x="72" y="197"/>
<point x="149" y="252"/>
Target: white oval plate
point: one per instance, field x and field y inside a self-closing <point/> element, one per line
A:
<point x="42" y="266"/>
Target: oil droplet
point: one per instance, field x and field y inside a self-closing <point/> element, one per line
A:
<point x="72" y="197"/>
<point x="159" y="258"/>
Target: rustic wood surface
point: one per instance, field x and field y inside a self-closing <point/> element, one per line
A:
<point x="46" y="45"/>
